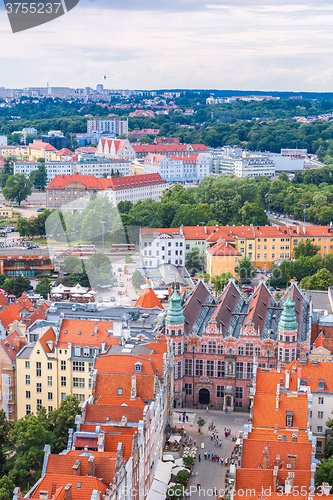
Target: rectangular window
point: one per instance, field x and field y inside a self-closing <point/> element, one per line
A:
<point x="91" y="364"/>
<point x="220" y="349"/>
<point x="249" y="349"/>
<point x="188" y="389"/>
<point x="203" y="348"/>
<point x="240" y="350"/>
<point x="257" y="351"/>
<point x="212" y="347"/>
<point x="86" y="352"/>
<point x="319" y="447"/>
<point x="220" y="391"/>
<point x="210" y="368"/>
<point x="38" y="369"/>
<point x="27" y="409"/>
<point x="63" y="381"/>
<point x="80" y="397"/>
<point x="78" y="366"/>
<point x="50" y="396"/>
<point x="39" y="404"/>
<point x="49" y="409"/>
<point x="319" y="428"/>
<point x="239" y="393"/>
<point x="179" y="369"/>
<point x="27" y="380"/>
<point x="77" y="351"/>
<point x="78" y="382"/>
<point x="239" y="370"/>
<point x="185" y="346"/>
<point x="199" y="368"/>
<point x="179" y="348"/>
<point x="320" y="414"/>
<point x="249" y="370"/>
<point x="188" y="367"/>
<point x="38" y="387"/>
<point x="63" y="365"/>
<point x="63" y="396"/>
<point x="220" y="369"/>
<point x="49" y="366"/>
<point x="320" y="400"/>
<point x="27" y="364"/>
<point x="27" y="394"/>
<point x="49" y="381"/>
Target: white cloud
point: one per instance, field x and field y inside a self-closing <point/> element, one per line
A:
<point x="265" y="46"/>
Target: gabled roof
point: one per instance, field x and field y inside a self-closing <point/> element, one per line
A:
<point x="194" y="305"/>
<point x="223" y="313"/>
<point x="148" y="299"/>
<point x="266" y="415"/>
<point x="257" y="311"/>
<point x="312" y="373"/>
<point x="3" y="300"/>
<point x="40" y="145"/>
<point x="48" y="336"/>
<point x="223" y="249"/>
<point x="114" y="413"/>
<point x="88" y="181"/>
<point x="252" y="456"/>
<point x="12" y="312"/>
<point x="11" y="346"/>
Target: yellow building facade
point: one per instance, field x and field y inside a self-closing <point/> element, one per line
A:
<point x="222" y="258"/>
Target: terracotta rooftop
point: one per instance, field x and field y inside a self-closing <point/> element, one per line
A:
<point x="100" y="413"/>
<point x="82" y="487"/>
<point x="148" y="299"/>
<point x="312" y="373"/>
<point x="253" y="454"/>
<point x="266" y="415"/>
<point x="256" y="479"/>
<point x="223" y="249"/>
<point x="86" y="333"/>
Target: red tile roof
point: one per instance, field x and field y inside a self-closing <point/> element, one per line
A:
<point x="135" y="181"/>
<point x="86" y="333"/>
<point x="82" y="487"/>
<point x="223" y="249"/>
<point x="12" y="312"/>
<point x="312" y="373"/>
<point x="120" y="400"/>
<point x="48" y="336"/>
<point x="253" y="453"/>
<point x="42" y="145"/>
<point x="256" y="479"/>
<point x="265" y="414"/>
<point x="9" y="344"/>
<point x="3" y="300"/>
<point x="99" y="413"/>
<point x="88" y="181"/>
<point x="148" y="299"/>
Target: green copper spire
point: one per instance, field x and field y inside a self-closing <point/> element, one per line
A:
<point x="175" y="314"/>
<point x="288" y="317"/>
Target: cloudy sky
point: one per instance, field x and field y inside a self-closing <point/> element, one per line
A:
<point x="148" y="44"/>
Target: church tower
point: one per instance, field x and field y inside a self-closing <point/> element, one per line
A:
<point x="287" y="333"/>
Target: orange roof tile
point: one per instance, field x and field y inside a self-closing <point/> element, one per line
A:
<point x="261" y="434"/>
<point x="82" y="487"/>
<point x="252" y="456"/>
<point x="256" y="479"/>
<point x="86" y="333"/>
<point x="100" y="413"/>
<point x="148" y="299"/>
<point x="3" y="300"/>
<point x="312" y="373"/>
<point x="49" y="335"/>
<point x="223" y="249"/>
<point x="40" y="145"/>
<point x="12" y="312"/>
<point x="107" y="384"/>
<point x="266" y="415"/>
<point x="9" y="344"/>
<point x="120" y="400"/>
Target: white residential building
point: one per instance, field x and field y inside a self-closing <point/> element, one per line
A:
<point x="190" y="168"/>
<point x="113" y="126"/>
<point x="162" y="246"/>
<point x="254" y="166"/>
<point x="135" y="188"/>
<point x="99" y="167"/>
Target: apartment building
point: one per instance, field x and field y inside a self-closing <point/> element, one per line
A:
<point x="162" y="246"/>
<point x="190" y="168"/>
<point x="169" y="149"/>
<point x="254" y="166"/>
<point x="135" y="188"/>
<point x="60" y="363"/>
<point x="99" y="167"/>
<point x="113" y="126"/>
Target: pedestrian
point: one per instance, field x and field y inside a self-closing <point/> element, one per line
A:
<point x="198" y="486"/>
<point x="199" y="457"/>
<point x="226" y="434"/>
<point x="211" y="437"/>
<point x="195" y="442"/>
<point x="208" y="454"/>
<point x="207" y="409"/>
<point x="205" y="455"/>
<point x="220" y="443"/>
<point x="186" y="418"/>
<point x="226" y="409"/>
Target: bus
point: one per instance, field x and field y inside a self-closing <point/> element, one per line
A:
<point x="83" y="250"/>
<point x="123" y="247"/>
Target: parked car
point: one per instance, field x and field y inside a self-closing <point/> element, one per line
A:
<point x="106" y="299"/>
<point x="40" y="209"/>
<point x="248" y="289"/>
<point x="112" y="299"/>
<point x="115" y="282"/>
<point x="121" y="284"/>
<point x="100" y="299"/>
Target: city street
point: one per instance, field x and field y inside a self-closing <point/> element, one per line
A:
<point x="207" y="473"/>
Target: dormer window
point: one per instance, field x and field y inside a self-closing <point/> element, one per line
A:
<point x="321" y="385"/>
<point x="289" y="418"/>
<point x="138" y="367"/>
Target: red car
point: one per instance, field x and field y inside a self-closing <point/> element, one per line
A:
<point x="248" y="290"/>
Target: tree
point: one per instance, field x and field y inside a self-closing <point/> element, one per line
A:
<point x="39" y="177"/>
<point x="245" y="270"/>
<point x="72" y="264"/>
<point x="138" y="279"/>
<point x="5" y="428"/>
<point x="220" y="281"/>
<point x="322" y="280"/>
<point x="201" y="422"/>
<point x="18" y="188"/>
<point x="6" y="171"/>
<point x="194" y="261"/>
<point x="16" y="286"/>
<point x="23" y="227"/>
<point x="251" y="213"/>
<point x="124" y="206"/>
<point x="306" y="249"/>
<point x="128" y="259"/>
<point x="98" y="269"/>
<point x="188" y="461"/>
<point x="6" y="488"/>
<point x="62" y="419"/>
<point x="175" y="492"/>
<point x="43" y="287"/>
<point x="324" y="472"/>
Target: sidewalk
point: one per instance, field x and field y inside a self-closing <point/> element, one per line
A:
<point x="210" y="474"/>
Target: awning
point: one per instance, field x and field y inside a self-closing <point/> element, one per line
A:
<point x="163" y="471"/>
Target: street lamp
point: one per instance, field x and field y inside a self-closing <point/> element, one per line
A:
<point x="305" y="205"/>
<point x="193" y="349"/>
<point x="103" y="222"/>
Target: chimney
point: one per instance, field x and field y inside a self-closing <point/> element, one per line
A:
<point x="291" y="477"/>
<point x="43" y="495"/>
<point x="19" y="342"/>
<point x="101" y="441"/>
<point x="278" y="460"/>
<point x="265" y="459"/>
<point x="294" y="437"/>
<point x="133" y="388"/>
<point x="292" y="461"/>
<point x="68" y="492"/>
<point x="103" y="346"/>
<point x="91" y="466"/>
<point x="275" y="473"/>
<point x="123" y="422"/>
<point x="304" y="230"/>
<point x="77" y="468"/>
<point x="96" y="327"/>
<point x="287" y="379"/>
